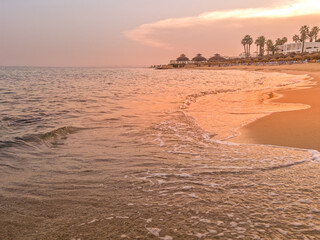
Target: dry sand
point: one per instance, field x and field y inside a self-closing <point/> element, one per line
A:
<point x="300" y="128"/>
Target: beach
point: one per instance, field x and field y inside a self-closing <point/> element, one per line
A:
<point x="298" y="128"/>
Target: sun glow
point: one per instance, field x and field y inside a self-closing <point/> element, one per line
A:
<point x="143" y="33"/>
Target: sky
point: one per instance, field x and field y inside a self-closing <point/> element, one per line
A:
<point x="129" y="33"/>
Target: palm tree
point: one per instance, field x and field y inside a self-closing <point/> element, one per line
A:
<point x="273" y="49"/>
<point x="278" y="42"/>
<point x="310" y="35"/>
<point x="249" y="41"/>
<point x="261" y="41"/>
<point x="304" y="32"/>
<point x="244" y="43"/>
<point x="315" y="30"/>
<point x="269" y="46"/>
<point x="296" y="38"/>
<point x="257" y="43"/>
<point x="284" y="40"/>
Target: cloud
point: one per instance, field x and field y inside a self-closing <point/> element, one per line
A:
<point x="144" y="34"/>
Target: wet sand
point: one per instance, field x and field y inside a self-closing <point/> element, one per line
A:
<point x="299" y="128"/>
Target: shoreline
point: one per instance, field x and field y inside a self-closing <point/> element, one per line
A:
<point x="296" y="128"/>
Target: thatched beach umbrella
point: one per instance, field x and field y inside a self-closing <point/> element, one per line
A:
<point x="217" y="58"/>
<point x="199" y="58"/>
<point x="182" y="58"/>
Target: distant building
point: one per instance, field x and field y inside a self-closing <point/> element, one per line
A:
<point x="253" y="54"/>
<point x="242" y="55"/>
<point x="309" y="47"/>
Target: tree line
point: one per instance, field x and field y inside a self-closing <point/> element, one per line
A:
<point x="272" y="47"/>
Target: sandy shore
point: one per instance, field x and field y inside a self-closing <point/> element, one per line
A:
<point x="300" y="128"/>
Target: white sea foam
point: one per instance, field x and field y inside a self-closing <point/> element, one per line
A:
<point x="193" y="195"/>
<point x="161" y="142"/>
<point x="93" y="221"/>
<point x="167" y="237"/>
<point x="205" y="220"/>
<point x="282" y="231"/>
<point x="315" y="155"/>
<point x="200" y="235"/>
<point x="154" y="231"/>
<point x="187" y="187"/>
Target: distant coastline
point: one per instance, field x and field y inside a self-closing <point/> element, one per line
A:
<point x="258" y="61"/>
<point x="268" y="52"/>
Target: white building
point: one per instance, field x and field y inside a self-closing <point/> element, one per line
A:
<point x="252" y="54"/>
<point x="309" y="47"/>
<point x="242" y="55"/>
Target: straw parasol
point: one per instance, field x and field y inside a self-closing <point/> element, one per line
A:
<point x="217" y="58"/>
<point x="199" y="58"/>
<point x="182" y="58"/>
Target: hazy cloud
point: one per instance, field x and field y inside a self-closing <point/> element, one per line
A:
<point x="145" y="33"/>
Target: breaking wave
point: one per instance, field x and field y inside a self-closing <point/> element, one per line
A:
<point x="48" y="137"/>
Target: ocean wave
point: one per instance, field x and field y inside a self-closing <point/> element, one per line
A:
<point x="5" y="144"/>
<point x="19" y="121"/>
<point x="47" y="137"/>
<point x="248" y="170"/>
<point x="193" y="97"/>
<point x="52" y="135"/>
<point x="60" y="132"/>
<point x="9" y="166"/>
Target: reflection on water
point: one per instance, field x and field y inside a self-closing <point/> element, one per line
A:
<point x="137" y="154"/>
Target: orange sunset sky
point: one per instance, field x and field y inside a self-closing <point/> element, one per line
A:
<point x="140" y="32"/>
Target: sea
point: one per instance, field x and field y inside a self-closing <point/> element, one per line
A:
<point x="101" y="153"/>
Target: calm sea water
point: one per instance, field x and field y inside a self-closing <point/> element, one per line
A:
<point x="91" y="153"/>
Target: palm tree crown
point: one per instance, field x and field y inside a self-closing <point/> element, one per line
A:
<point x="314" y="31"/>
<point x="296" y="38"/>
<point x="284" y="40"/>
<point x="260" y="42"/>
<point x="304" y="32"/>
